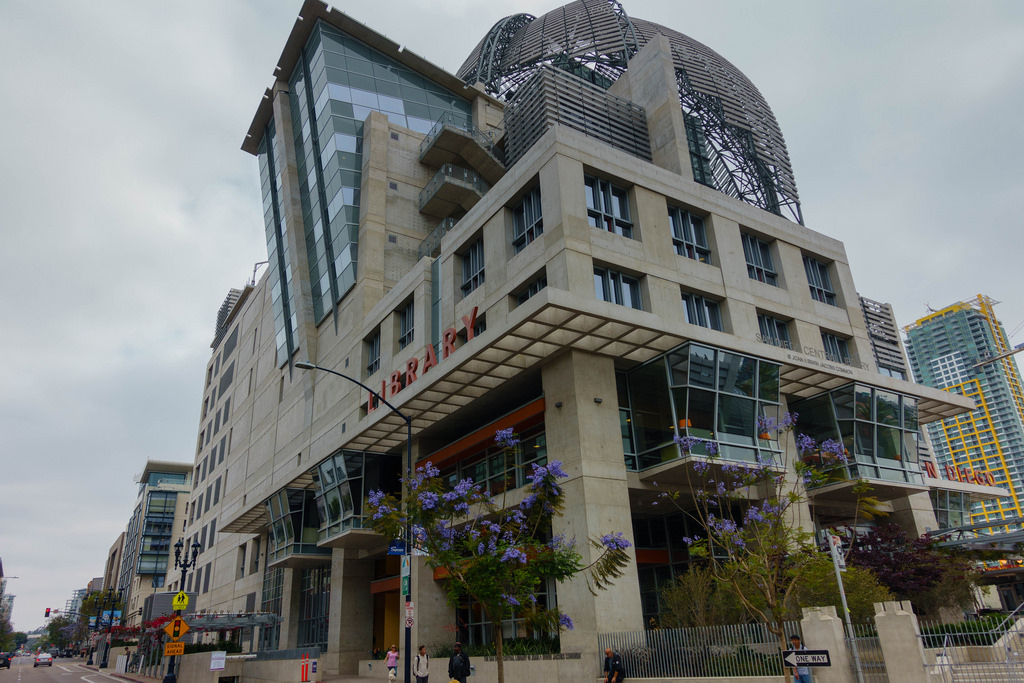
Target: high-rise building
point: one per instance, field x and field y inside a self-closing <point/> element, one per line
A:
<point x="963" y="349"/>
<point x="590" y="233"/>
<point x="141" y="563"/>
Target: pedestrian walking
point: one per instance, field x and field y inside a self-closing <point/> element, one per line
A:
<point x="613" y="669"/>
<point x="458" y="665"/>
<point x="421" y="669"/>
<point x="391" y="662"/>
<point x="801" y="674"/>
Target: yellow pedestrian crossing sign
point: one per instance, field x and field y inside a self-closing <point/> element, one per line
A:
<point x="180" y="601"/>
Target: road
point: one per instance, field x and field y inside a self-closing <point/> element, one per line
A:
<point x="62" y="671"/>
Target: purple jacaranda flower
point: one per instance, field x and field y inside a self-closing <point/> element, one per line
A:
<point x="506" y="438"/>
<point x="615" y="541"/>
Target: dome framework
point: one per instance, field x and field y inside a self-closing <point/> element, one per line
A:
<point x="736" y="144"/>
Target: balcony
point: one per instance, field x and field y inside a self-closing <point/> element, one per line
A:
<point x="448" y="141"/>
<point x="452" y="190"/>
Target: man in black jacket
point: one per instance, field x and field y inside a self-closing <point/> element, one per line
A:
<point x="458" y="665"/>
<point x="613" y="670"/>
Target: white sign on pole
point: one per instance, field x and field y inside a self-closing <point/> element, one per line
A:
<point x="835" y="544"/>
<point x="405" y="565"/>
<point x="408" y="610"/>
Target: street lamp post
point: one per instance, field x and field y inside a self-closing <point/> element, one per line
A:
<point x="112" y="599"/>
<point x="101" y="602"/>
<point x="185" y="564"/>
<point x="407" y="555"/>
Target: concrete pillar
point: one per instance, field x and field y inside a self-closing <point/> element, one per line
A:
<point x="651" y="83"/>
<point x="582" y="428"/>
<point x="434" y="619"/>
<point x="823" y="630"/>
<point x="350" y="630"/>
<point x="291" y="598"/>
<point x="901" y="647"/>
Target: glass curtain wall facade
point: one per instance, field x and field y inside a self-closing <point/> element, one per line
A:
<point x="342" y="481"/>
<point x="697" y="391"/>
<point x="314" y="606"/>
<point x="878" y="428"/>
<point x="336" y="84"/>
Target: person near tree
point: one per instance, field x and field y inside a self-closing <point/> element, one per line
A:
<point x="801" y="674"/>
<point x="458" y="665"/>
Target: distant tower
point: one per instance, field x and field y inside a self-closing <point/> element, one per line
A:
<point x="948" y="350"/>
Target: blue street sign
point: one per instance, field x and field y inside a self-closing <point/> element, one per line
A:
<point x="396" y="548"/>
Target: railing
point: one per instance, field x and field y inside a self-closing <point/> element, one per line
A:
<point x="448" y="120"/>
<point x="984" y="650"/>
<point x="448" y="173"/>
<point x="864" y="640"/>
<point x="712" y="651"/>
<point x="433" y="241"/>
<point x="296" y="653"/>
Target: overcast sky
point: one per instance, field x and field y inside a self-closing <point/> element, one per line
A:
<point x="127" y="209"/>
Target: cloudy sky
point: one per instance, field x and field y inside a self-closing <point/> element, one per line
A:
<point x="127" y="210"/>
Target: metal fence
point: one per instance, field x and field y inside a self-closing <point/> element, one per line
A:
<point x="865" y="651"/>
<point x="713" y="651"/>
<point x="982" y="651"/>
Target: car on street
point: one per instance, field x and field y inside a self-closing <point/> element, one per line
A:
<point x="5" y="659"/>
<point x="43" y="659"/>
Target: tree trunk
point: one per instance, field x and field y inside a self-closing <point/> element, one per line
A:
<point x="499" y="656"/>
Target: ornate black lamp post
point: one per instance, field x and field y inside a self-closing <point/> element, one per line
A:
<point x="185" y="564"/>
<point x="306" y="365"/>
<point x="113" y="598"/>
<point x="101" y="602"/>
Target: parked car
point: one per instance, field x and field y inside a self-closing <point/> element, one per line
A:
<point x="5" y="659"/>
<point x="43" y="659"/>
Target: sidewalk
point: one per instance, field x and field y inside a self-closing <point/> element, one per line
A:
<point x="138" y="678"/>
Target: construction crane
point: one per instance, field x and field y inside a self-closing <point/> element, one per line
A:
<point x="1006" y="354"/>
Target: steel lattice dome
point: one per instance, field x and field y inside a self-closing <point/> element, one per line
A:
<point x="747" y="150"/>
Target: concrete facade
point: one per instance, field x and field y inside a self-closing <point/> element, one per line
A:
<point x="547" y="343"/>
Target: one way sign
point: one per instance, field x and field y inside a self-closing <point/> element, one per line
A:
<point x="806" y="658"/>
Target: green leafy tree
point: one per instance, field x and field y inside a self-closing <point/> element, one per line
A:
<point x="818" y="587"/>
<point x="498" y="556"/>
<point x="696" y="599"/>
<point x="20" y="638"/>
<point x="754" y="540"/>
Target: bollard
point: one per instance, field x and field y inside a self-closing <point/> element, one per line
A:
<point x="305" y="669"/>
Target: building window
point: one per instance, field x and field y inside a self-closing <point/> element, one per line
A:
<point x="688" y="237"/>
<point x="613" y="286"/>
<point x="819" y="281"/>
<point x="773" y="331"/>
<point x="527" y="221"/>
<point x="405" y="326"/>
<point x="835" y="348"/>
<point x="701" y="311"/>
<point x="531" y="289"/>
<point x="608" y="207"/>
<point x="700" y="162"/>
<point x="473" y="267"/>
<point x="759" y="260"/>
<point x="373" y="353"/>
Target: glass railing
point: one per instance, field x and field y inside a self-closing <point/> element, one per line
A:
<point x="450" y="173"/>
<point x="452" y="122"/>
<point x="432" y="243"/>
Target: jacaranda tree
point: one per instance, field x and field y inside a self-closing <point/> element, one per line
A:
<point x="495" y="554"/>
<point x="753" y="537"/>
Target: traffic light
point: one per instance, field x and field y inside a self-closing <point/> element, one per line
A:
<point x="176" y="629"/>
<point x="47" y="615"/>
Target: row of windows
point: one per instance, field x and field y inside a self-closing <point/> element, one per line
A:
<point x="608" y="209"/>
